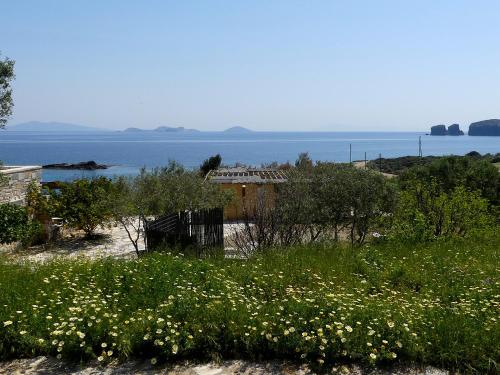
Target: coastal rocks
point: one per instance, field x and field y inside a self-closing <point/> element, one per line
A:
<point x="84" y="165"/>
<point x="438" y="130"/>
<point x="485" y="128"/>
<point x="441" y="130"/>
<point x="455" y="130"/>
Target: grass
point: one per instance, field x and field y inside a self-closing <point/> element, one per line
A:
<point x="434" y="303"/>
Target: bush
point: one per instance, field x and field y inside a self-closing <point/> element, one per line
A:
<point x="425" y="212"/>
<point x="15" y="225"/>
<point x="453" y="171"/>
<point x="84" y="204"/>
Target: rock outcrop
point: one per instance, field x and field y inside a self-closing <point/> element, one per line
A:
<point x="441" y="130"/>
<point x="438" y="130"/>
<point x="455" y="130"/>
<point x="84" y="165"/>
<point x="485" y="128"/>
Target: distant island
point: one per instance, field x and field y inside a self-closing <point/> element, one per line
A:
<point x="38" y="126"/>
<point x="181" y="129"/>
<point x="238" y="130"/>
<point x="453" y="129"/>
<point x="485" y="128"/>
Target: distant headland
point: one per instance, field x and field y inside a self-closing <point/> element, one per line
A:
<point x="61" y="127"/>
<point x="485" y="127"/>
<point x="480" y="128"/>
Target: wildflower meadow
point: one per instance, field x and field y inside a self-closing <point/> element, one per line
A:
<point x="432" y="303"/>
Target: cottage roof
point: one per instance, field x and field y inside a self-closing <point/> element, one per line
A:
<point x="241" y="175"/>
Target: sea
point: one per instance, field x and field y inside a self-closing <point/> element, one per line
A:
<point x="126" y="153"/>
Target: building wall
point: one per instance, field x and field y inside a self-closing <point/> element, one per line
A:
<point x="235" y="210"/>
<point x="15" y="181"/>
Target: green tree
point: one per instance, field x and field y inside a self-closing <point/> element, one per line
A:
<point x="6" y="102"/>
<point x="160" y="191"/>
<point x="304" y="162"/>
<point x="84" y="203"/>
<point x="213" y="162"/>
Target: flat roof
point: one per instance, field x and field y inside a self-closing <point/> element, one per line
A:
<point x="241" y="175"/>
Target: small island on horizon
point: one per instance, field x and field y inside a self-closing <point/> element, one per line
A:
<point x="54" y="126"/>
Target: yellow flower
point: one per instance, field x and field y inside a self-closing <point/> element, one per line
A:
<point x="373" y="356"/>
<point x="153" y="361"/>
<point x="175" y="348"/>
<point x="7" y="323"/>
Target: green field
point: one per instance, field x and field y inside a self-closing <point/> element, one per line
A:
<point x="432" y="303"/>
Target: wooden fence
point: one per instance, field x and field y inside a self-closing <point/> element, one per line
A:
<point x="200" y="229"/>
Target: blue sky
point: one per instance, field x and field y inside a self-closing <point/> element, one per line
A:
<point x="266" y="65"/>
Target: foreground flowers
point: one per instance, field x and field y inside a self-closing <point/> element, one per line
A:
<point x="165" y="307"/>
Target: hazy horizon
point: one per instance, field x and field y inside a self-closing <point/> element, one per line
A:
<point x="266" y="66"/>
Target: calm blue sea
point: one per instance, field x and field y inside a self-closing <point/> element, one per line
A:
<point x="128" y="152"/>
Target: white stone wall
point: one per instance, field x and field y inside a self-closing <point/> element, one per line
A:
<point x="15" y="181"/>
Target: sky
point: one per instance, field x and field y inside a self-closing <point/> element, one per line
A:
<point x="266" y="65"/>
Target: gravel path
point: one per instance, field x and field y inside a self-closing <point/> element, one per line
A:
<point x="109" y="242"/>
<point x="44" y="365"/>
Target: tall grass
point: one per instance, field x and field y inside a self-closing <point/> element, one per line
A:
<point x="433" y="303"/>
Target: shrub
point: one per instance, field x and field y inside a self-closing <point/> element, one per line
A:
<point x="15" y="225"/>
<point x="84" y="204"/>
<point x="453" y="171"/>
<point x="425" y="212"/>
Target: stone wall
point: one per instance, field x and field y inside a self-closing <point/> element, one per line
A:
<point x="14" y="182"/>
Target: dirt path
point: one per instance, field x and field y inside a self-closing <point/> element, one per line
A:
<point x="361" y="165"/>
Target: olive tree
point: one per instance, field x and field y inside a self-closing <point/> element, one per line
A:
<point x="160" y="191"/>
<point x="6" y="77"/>
<point x="318" y="204"/>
